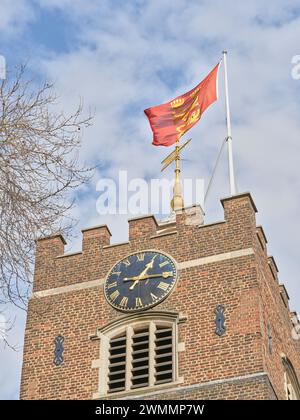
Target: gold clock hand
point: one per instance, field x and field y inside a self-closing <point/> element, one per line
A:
<point x="147" y="267"/>
<point x="165" y="275"/>
<point x="131" y="278"/>
<point x="133" y="285"/>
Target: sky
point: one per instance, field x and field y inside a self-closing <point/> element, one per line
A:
<point x="123" y="56"/>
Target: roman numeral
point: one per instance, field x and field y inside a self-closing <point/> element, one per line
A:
<point x="114" y="295"/>
<point x="113" y="284"/>
<point x="140" y="257"/>
<point x="163" y="264"/>
<point x="116" y="273"/>
<point x="164" y="286"/>
<point x="124" y="301"/>
<point x="154" y="297"/>
<point x="138" y="302"/>
<point x="126" y="262"/>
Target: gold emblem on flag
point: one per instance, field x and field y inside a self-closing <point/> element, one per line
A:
<point x="195" y="116"/>
<point x="194" y="93"/>
<point x="177" y="102"/>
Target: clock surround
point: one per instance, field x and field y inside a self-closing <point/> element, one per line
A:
<point x="140" y="280"/>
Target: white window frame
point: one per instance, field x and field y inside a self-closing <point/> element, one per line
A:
<point x="128" y="324"/>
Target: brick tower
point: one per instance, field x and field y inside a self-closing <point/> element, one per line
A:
<point x="183" y="310"/>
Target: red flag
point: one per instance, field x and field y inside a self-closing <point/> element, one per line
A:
<point x="171" y="120"/>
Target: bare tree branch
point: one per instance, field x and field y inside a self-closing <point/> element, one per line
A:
<point x="6" y="325"/>
<point x="39" y="170"/>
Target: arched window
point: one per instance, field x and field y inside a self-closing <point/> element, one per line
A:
<point x="291" y="383"/>
<point x="138" y="351"/>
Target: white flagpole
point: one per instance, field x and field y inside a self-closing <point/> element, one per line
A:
<point x="228" y="123"/>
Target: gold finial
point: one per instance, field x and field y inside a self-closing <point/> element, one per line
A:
<point x="177" y="200"/>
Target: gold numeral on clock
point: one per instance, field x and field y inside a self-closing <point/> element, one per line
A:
<point x="154" y="297"/>
<point x="116" y="273"/>
<point x="164" y="286"/>
<point x="124" y="301"/>
<point x="126" y="262"/>
<point x="140" y="257"/>
<point x="163" y="264"/>
<point x="138" y="302"/>
<point x="114" y="295"/>
<point x="111" y="285"/>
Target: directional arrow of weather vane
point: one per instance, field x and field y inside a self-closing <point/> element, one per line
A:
<point x="174" y="155"/>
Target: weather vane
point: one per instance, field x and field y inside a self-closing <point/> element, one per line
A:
<point x="177" y="200"/>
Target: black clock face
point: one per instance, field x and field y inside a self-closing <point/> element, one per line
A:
<point x="140" y="281"/>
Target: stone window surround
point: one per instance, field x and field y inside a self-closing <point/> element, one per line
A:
<point x="127" y="323"/>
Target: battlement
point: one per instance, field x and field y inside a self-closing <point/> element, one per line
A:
<point x="236" y="209"/>
<point x="54" y="268"/>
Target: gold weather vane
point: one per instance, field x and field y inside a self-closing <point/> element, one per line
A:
<point x="177" y="200"/>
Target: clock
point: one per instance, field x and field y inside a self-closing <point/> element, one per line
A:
<point x="140" y="281"/>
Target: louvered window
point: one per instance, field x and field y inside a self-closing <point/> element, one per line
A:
<point x="141" y="357"/>
<point x="163" y="355"/>
<point x="117" y="364"/>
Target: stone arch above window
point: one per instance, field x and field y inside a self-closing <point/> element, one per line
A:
<point x="138" y="352"/>
<point x="291" y="383"/>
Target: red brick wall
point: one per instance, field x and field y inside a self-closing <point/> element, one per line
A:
<point x="244" y="285"/>
<point x="248" y="389"/>
<point x="275" y="311"/>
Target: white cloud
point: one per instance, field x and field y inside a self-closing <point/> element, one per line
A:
<point x="14" y="15"/>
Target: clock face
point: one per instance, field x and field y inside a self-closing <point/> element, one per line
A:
<point x="140" y="281"/>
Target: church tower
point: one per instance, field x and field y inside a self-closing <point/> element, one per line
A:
<point x="183" y="310"/>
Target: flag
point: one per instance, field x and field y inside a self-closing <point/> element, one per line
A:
<point x="171" y="120"/>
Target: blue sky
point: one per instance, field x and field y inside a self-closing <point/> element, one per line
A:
<point x="124" y="56"/>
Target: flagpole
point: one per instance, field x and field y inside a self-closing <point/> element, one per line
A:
<point x="228" y="123"/>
